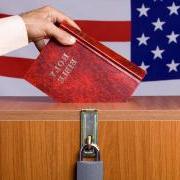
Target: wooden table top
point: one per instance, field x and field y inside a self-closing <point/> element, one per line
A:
<point x="136" y="108"/>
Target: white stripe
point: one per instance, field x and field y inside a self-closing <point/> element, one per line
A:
<point x="17" y="87"/>
<point x="77" y="9"/>
<point x="123" y="48"/>
<point x="29" y="51"/>
<point x="159" y="88"/>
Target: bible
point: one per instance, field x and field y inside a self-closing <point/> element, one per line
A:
<point x="86" y="72"/>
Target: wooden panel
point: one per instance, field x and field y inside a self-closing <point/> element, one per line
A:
<point x="139" y="139"/>
<point x="130" y="150"/>
<point x="38" y="150"/>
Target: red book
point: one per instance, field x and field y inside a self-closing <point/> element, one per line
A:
<point x="85" y="72"/>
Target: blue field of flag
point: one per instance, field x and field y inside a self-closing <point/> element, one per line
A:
<point x="155" y="44"/>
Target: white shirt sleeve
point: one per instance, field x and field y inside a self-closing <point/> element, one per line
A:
<point x="13" y="34"/>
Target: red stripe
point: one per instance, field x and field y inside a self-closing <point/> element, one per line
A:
<point x="113" y="31"/>
<point x="107" y="30"/>
<point x="14" y="67"/>
<point x="3" y="15"/>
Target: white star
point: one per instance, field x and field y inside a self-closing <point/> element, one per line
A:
<point x="173" y="66"/>
<point x="173" y="9"/>
<point x="143" y="39"/>
<point x="158" y="24"/>
<point x="172" y="37"/>
<point x="144" y="67"/>
<point x="143" y="11"/>
<point x="158" y="52"/>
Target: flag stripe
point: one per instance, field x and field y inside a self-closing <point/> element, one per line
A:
<point x="122" y="48"/>
<point x="3" y="15"/>
<point x="158" y="88"/>
<point x="18" y="87"/>
<point x="113" y="31"/>
<point x="14" y="67"/>
<point x="116" y="10"/>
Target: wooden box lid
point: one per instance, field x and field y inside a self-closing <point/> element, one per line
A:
<point x="136" y="108"/>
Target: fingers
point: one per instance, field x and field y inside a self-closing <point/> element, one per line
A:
<point x="60" y="35"/>
<point x="68" y="20"/>
<point x="40" y="44"/>
<point x="59" y="16"/>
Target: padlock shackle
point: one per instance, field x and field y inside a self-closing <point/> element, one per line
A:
<point x="94" y="147"/>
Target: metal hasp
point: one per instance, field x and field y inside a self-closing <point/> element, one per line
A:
<point x="89" y="130"/>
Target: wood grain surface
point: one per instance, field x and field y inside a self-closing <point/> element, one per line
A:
<point x="39" y="140"/>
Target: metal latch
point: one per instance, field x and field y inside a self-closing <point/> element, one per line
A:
<point x="89" y="131"/>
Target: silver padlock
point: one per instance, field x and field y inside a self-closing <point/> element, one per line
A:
<point x="90" y="170"/>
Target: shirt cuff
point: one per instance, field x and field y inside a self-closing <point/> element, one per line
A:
<point x="13" y="34"/>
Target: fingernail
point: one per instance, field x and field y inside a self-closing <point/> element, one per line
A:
<point x="72" y="40"/>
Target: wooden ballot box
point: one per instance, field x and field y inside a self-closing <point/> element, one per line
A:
<point x="138" y="139"/>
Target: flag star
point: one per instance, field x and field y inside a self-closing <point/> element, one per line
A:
<point x="172" y="37"/>
<point x="157" y="52"/>
<point x="144" y="67"/>
<point x="143" y="10"/>
<point x="143" y="39"/>
<point x="173" y="66"/>
<point x="173" y="9"/>
<point x="158" y="24"/>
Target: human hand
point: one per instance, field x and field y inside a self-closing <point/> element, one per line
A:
<point x="40" y="24"/>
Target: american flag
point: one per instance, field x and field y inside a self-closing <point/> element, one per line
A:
<point x="146" y="32"/>
<point x="156" y="38"/>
